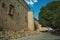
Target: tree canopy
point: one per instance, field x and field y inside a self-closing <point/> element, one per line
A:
<point x="50" y="15"/>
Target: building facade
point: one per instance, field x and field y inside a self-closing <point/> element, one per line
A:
<point x="14" y="15"/>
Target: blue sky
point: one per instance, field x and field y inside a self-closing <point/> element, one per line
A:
<point x="36" y="5"/>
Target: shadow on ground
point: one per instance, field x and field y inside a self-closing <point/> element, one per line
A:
<point x="56" y="34"/>
<point x="57" y="39"/>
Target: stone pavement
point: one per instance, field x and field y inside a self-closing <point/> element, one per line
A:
<point x="42" y="36"/>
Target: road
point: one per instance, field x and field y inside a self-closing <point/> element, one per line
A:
<point x="42" y="36"/>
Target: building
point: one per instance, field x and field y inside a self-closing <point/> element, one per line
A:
<point x="14" y="15"/>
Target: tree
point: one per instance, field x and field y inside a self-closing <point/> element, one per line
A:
<point x="50" y="15"/>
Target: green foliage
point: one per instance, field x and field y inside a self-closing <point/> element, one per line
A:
<point x="50" y="15"/>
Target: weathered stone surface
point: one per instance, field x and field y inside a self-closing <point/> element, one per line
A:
<point x="13" y="15"/>
<point x="30" y="21"/>
<point x="1" y="35"/>
<point x="37" y="25"/>
<point x="10" y="35"/>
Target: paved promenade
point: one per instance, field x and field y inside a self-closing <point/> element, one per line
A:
<point x="43" y="36"/>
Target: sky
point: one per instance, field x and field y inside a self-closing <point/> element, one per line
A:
<point x="36" y="5"/>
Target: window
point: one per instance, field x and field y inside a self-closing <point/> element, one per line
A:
<point x="3" y="5"/>
<point x="11" y="10"/>
<point x="25" y="18"/>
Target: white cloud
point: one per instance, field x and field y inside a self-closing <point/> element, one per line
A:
<point x="35" y="1"/>
<point x="31" y="2"/>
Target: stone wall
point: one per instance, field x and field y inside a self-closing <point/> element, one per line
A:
<point x="30" y="21"/>
<point x="37" y="26"/>
<point x="13" y="15"/>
